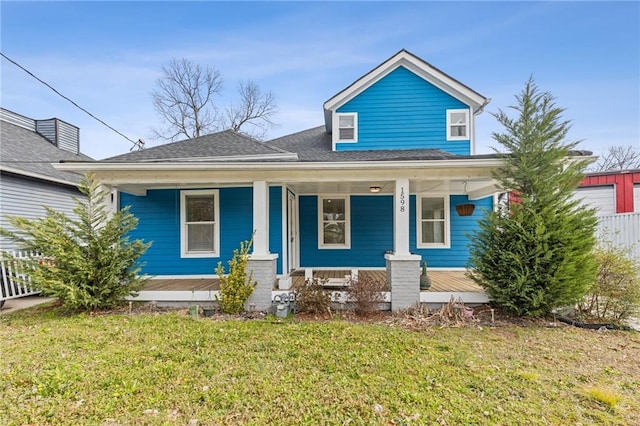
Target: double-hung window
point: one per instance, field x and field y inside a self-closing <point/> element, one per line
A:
<point x="199" y="223"/>
<point x="433" y="221"/>
<point x="458" y="124"/>
<point x="347" y="127"/>
<point x="334" y="227"/>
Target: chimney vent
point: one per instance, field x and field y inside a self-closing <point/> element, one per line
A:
<point x="62" y="134"/>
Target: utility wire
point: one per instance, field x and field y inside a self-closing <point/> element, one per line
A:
<point x="139" y="144"/>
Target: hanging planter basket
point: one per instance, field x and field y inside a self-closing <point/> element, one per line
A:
<point x="465" y="209"/>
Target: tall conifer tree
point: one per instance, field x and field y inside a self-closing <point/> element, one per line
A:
<point x="536" y="255"/>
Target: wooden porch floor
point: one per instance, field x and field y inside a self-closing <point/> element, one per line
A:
<point x="441" y="281"/>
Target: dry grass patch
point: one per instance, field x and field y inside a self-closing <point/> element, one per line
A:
<point x="606" y="397"/>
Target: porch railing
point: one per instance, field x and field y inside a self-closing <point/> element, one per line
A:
<point x="14" y="275"/>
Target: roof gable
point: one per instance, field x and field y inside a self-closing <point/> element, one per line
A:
<point x="417" y="66"/>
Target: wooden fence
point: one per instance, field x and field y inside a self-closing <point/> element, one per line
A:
<point x="621" y="230"/>
<point x="14" y="275"/>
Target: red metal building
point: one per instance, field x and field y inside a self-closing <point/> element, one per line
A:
<point x="612" y="192"/>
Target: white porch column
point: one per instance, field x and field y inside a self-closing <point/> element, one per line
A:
<point x="403" y="268"/>
<point x="401" y="218"/>
<point x="109" y="199"/>
<point x="261" y="264"/>
<point x="260" y="218"/>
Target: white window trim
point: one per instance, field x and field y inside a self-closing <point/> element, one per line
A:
<point x="347" y="222"/>
<point x="447" y="222"/>
<point x="467" y="124"/>
<point x="336" y="127"/>
<point x="216" y="225"/>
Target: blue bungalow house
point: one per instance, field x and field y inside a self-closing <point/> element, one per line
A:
<point x="376" y="187"/>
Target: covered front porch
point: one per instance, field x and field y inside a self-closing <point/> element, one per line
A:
<point x="444" y="285"/>
<point x="383" y="216"/>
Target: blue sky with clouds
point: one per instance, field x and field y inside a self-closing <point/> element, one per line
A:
<point x="107" y="56"/>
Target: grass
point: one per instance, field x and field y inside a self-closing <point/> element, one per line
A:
<point x="604" y="396"/>
<point x="172" y="369"/>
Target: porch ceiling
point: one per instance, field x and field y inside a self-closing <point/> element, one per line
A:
<point x="476" y="188"/>
<point x="446" y="176"/>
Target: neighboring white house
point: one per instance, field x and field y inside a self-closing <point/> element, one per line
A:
<point x="27" y="179"/>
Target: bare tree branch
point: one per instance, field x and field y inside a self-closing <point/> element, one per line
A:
<point x="184" y="99"/>
<point x="618" y="158"/>
<point x="254" y="112"/>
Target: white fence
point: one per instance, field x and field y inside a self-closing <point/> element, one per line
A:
<point x="622" y="230"/>
<point x="14" y="277"/>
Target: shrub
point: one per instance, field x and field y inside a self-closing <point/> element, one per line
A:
<point x="91" y="262"/>
<point x="237" y="287"/>
<point x="615" y="296"/>
<point x="312" y="297"/>
<point x="366" y="293"/>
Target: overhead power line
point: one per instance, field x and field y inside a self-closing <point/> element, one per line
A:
<point x="136" y="144"/>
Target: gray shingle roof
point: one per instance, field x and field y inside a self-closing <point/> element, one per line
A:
<point x="315" y="145"/>
<point x="30" y="153"/>
<point x="227" y="143"/>
<point x="312" y="145"/>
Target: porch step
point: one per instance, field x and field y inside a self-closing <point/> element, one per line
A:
<point x="329" y="278"/>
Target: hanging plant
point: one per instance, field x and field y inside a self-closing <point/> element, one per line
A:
<point x="465" y="209"/>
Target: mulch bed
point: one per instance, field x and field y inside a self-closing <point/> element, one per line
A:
<point x="449" y="315"/>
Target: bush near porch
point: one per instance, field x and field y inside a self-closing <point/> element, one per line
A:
<point x="172" y="369"/>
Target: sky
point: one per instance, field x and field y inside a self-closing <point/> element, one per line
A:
<point x="107" y="57"/>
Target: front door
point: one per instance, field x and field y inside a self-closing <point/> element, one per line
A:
<point x="292" y="231"/>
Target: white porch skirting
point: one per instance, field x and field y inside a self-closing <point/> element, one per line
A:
<point x="445" y="284"/>
<point x="204" y="297"/>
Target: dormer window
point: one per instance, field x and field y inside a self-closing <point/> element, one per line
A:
<point x="347" y="127"/>
<point x="458" y="124"/>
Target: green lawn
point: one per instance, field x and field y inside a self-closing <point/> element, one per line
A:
<point x="171" y="369"/>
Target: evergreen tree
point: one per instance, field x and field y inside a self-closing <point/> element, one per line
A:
<point x="87" y="262"/>
<point x="538" y="254"/>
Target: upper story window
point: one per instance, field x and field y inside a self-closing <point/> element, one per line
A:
<point x="433" y="222"/>
<point x="347" y="127"/>
<point x="199" y="223"/>
<point x="334" y="222"/>
<point x="458" y="124"/>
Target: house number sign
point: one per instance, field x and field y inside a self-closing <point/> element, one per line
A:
<point x="403" y="200"/>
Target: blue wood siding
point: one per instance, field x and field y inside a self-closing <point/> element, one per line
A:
<point x="371" y="233"/>
<point x="460" y="226"/>
<point x="403" y="111"/>
<point x="275" y="224"/>
<point x="159" y="221"/>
